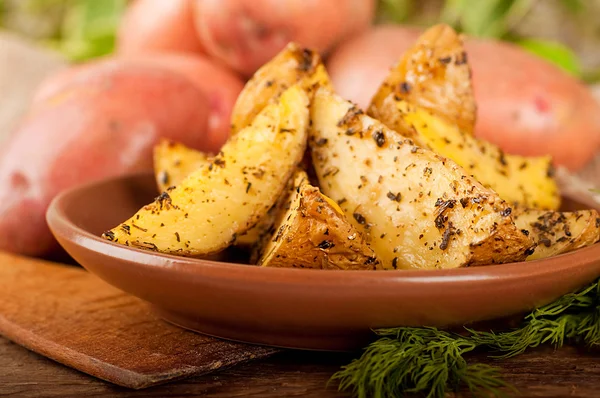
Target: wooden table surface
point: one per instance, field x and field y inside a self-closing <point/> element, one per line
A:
<point x="541" y="373"/>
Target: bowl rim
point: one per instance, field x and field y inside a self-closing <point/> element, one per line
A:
<point x="61" y="226"/>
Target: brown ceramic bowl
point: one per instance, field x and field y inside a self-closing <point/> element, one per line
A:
<point x="297" y="308"/>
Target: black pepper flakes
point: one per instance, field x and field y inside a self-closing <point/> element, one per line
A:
<point x="395" y="263"/>
<point x="163" y="177"/>
<point x="326" y="244"/>
<point x="177" y="237"/>
<point x="248" y="187"/>
<point x="110" y="235"/>
<point x="396" y="197"/>
<point x="404" y="87"/>
<point x="379" y="138"/>
<point x="220" y="162"/>
<point x="321" y="142"/>
<point x="359" y="218"/>
<point x="506" y="212"/>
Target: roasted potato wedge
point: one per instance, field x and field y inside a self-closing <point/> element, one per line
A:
<point x="556" y="233"/>
<point x="314" y="233"/>
<point x="419" y="210"/>
<point x="524" y="181"/>
<point x="434" y="74"/>
<point x="174" y="161"/>
<point x="292" y="65"/>
<point x="223" y="199"/>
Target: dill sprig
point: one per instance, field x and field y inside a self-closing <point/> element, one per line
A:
<point x="431" y="362"/>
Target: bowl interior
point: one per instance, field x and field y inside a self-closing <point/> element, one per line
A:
<point x="298" y="308"/>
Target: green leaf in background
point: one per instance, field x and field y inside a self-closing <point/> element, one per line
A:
<point x="396" y="11"/>
<point x="89" y="28"/>
<point x="554" y="52"/>
<point x="489" y="18"/>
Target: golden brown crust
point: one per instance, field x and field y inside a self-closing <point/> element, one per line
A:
<point x="207" y="211"/>
<point x="559" y="232"/>
<point x="434" y="74"/>
<point x="526" y="181"/>
<point x="292" y="65"/>
<point x="418" y="209"/>
<point x="312" y="233"/>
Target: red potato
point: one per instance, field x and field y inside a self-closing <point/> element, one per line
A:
<point x="245" y="34"/>
<point x="105" y="126"/>
<point x="158" y="26"/>
<point x="526" y="105"/>
<point x="220" y="86"/>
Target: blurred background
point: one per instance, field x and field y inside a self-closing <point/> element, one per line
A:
<point x="565" y="32"/>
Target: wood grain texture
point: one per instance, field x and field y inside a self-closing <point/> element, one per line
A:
<point x="73" y="317"/>
<point x="541" y="373"/>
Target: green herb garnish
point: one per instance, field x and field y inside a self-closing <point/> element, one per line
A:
<point x="431" y="361"/>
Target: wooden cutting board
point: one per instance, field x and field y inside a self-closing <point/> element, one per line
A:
<point x="72" y="317"/>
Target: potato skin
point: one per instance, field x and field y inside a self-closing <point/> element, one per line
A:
<point x="418" y="209"/>
<point x="245" y="34"/>
<point x="311" y="231"/>
<point x="523" y="181"/>
<point x="435" y="75"/>
<point x="206" y="212"/>
<point x="526" y="106"/>
<point x="158" y="26"/>
<point x="558" y="232"/>
<point x="104" y="127"/>
<point x="291" y="65"/>
<point x="219" y="85"/>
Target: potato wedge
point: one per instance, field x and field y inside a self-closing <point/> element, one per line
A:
<point x="434" y="74"/>
<point x="314" y="233"/>
<point x="215" y="204"/>
<point x="556" y="232"/>
<point x="524" y="181"/>
<point x="174" y="161"/>
<point x="292" y="65"/>
<point x="418" y="209"/>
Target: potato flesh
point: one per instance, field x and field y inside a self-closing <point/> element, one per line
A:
<point x="292" y="65"/>
<point x="435" y="75"/>
<point x="212" y="206"/>
<point x="523" y="181"/>
<point x="173" y="162"/>
<point x="419" y="210"/>
<point x="556" y="232"/>
<point x="314" y="233"/>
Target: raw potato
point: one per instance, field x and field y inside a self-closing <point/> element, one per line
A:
<point x="557" y="233"/>
<point x="433" y="75"/>
<point x="246" y="34"/>
<point x="525" y="105"/>
<point x="212" y="206"/>
<point x="522" y="181"/>
<point x="219" y="85"/>
<point x="314" y="233"/>
<point x="419" y="209"/>
<point x="292" y="65"/>
<point x="158" y="26"/>
<point x="101" y="128"/>
<point x="173" y="162"/>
